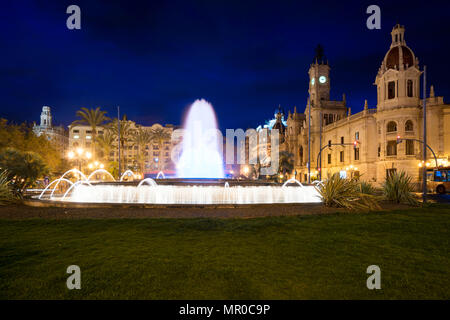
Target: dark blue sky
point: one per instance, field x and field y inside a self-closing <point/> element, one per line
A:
<point x="156" y="57"/>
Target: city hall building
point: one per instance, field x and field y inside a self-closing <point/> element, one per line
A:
<point x="399" y="113"/>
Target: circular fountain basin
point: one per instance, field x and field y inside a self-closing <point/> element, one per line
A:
<point x="215" y="192"/>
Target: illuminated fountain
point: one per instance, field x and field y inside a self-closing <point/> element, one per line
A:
<point x="201" y="157"/>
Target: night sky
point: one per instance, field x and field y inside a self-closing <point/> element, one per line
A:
<point x="246" y="57"/>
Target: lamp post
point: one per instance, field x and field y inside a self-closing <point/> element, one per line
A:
<point x="424" y="171"/>
<point x="309" y="140"/>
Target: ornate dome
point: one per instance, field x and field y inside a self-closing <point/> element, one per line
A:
<point x="392" y="59"/>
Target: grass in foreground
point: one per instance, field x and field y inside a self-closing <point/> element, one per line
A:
<point x="308" y="257"/>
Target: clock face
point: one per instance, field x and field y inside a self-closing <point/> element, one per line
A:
<point x="313" y="81"/>
<point x="322" y="79"/>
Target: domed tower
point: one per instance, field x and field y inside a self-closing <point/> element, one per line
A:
<point x="398" y="79"/>
<point x="46" y="117"/>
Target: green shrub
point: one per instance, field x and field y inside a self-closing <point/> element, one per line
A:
<point x="399" y="189"/>
<point x="6" y="193"/>
<point x="346" y="193"/>
<point x="23" y="168"/>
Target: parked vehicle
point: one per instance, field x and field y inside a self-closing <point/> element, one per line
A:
<point x="439" y="179"/>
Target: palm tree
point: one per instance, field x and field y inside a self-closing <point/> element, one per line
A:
<point x="93" y="118"/>
<point x="106" y="143"/>
<point x="125" y="132"/>
<point x="140" y="138"/>
<point x="159" y="135"/>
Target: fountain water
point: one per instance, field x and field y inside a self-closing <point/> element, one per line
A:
<point x="160" y="174"/>
<point x="127" y="173"/>
<point x="174" y="194"/>
<point x="292" y="180"/>
<point x="201" y="155"/>
<point x="148" y="181"/>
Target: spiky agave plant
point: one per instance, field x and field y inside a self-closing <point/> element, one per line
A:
<point x="346" y="193"/>
<point x="366" y="188"/>
<point x="398" y="188"/>
<point x="6" y="194"/>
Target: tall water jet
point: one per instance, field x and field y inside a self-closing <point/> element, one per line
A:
<point x="201" y="155"/>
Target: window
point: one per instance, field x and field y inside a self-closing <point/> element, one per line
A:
<point x="88" y="131"/>
<point x="409" y="126"/>
<point x="357" y="135"/>
<point x="155" y="154"/>
<point x="379" y="151"/>
<point x="329" y="158"/>
<point x="76" y="136"/>
<point x="391" y="90"/>
<point x="328" y="118"/>
<point x="76" y="131"/>
<point x="341" y="156"/>
<point x="329" y="143"/>
<point x="409" y="88"/>
<point x="391" y="126"/>
<point x="391" y="149"/>
<point x="356" y="153"/>
<point x="409" y="147"/>
<point x="342" y="140"/>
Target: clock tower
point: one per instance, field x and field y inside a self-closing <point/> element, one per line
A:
<point x="319" y="79"/>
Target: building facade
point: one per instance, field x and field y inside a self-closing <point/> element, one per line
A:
<point x="155" y="155"/>
<point x="57" y="135"/>
<point x="365" y="144"/>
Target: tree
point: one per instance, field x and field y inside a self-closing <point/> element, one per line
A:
<point x="21" y="137"/>
<point x="158" y="136"/>
<point x="286" y="162"/>
<point x="23" y="168"/>
<point x="141" y="138"/>
<point x="93" y="118"/>
<point x="125" y="132"/>
<point x="106" y="143"/>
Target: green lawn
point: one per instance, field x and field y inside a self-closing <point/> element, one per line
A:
<point x="307" y="257"/>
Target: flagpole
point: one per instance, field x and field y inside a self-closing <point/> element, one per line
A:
<point x="424" y="173"/>
<point x="118" y="136"/>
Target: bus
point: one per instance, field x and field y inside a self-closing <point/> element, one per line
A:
<point x="439" y="179"/>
